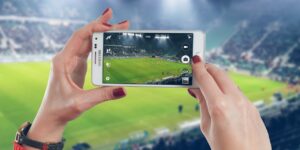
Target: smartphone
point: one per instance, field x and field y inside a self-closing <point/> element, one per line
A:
<point x="145" y="58"/>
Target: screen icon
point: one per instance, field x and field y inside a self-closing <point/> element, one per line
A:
<point x="185" y="59"/>
<point x="107" y="78"/>
<point x="185" y="80"/>
<point x="108" y="37"/>
<point x="108" y="51"/>
<point x="185" y="47"/>
<point x="108" y="65"/>
<point x="185" y="70"/>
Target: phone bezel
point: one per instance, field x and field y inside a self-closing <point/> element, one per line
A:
<point x="97" y="55"/>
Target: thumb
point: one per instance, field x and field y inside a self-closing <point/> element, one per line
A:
<point x="99" y="95"/>
<point x="124" y="25"/>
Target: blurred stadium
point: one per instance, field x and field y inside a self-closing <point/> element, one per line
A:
<point x="257" y="41"/>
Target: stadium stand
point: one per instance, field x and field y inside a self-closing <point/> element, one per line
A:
<point x="295" y="56"/>
<point x="281" y="119"/>
<point x="44" y="37"/>
<point x="266" y="47"/>
<point x="20" y="20"/>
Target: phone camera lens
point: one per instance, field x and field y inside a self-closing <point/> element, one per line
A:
<point x="95" y="46"/>
<point x="96" y="38"/>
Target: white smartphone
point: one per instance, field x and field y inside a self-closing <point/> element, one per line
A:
<point x="157" y="58"/>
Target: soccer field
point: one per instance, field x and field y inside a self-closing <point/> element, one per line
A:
<point x="23" y="84"/>
<point x="142" y="69"/>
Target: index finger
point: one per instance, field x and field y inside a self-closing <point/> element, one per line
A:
<point x="206" y="82"/>
<point x="80" y="41"/>
<point x="82" y="37"/>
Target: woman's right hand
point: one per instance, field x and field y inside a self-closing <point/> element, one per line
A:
<point x="228" y="120"/>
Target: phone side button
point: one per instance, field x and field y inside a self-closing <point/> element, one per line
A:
<point x="95" y="57"/>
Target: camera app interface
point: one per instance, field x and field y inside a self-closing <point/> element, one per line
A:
<point x="148" y="58"/>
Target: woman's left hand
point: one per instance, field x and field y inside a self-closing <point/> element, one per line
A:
<point x="65" y="99"/>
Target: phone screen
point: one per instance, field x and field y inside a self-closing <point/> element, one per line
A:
<point x="147" y="58"/>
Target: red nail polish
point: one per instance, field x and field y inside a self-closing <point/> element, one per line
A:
<point x="191" y="93"/>
<point x="196" y="59"/>
<point x="122" y="22"/>
<point x="105" y="11"/>
<point x="119" y="92"/>
<point x="106" y="24"/>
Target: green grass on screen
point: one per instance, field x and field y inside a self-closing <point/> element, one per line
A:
<point x="141" y="70"/>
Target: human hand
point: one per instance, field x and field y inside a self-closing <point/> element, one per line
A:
<point x="228" y="120"/>
<point x="65" y="99"/>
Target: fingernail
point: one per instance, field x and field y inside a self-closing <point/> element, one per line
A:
<point x="119" y="92"/>
<point x="191" y="93"/>
<point x="196" y="59"/>
<point x="106" y="24"/>
<point x="105" y="11"/>
<point x="123" y="22"/>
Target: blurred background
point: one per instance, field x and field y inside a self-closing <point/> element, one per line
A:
<point x="257" y="41"/>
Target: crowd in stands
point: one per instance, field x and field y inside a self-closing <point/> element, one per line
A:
<point x="263" y="47"/>
<point x="245" y="37"/>
<point x="295" y="55"/>
<point x="33" y="38"/>
<point x="34" y="28"/>
<point x="283" y="127"/>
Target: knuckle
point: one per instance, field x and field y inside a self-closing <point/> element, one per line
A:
<point x="214" y="70"/>
<point x="218" y="110"/>
<point x="202" y="101"/>
<point x="202" y="74"/>
<point x="218" y="71"/>
<point x="107" y="94"/>
<point x="242" y="104"/>
<point x="56" y="62"/>
<point x="76" y="107"/>
<point x="204" y="127"/>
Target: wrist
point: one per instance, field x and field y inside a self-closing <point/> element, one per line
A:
<point x="25" y="141"/>
<point x="46" y="130"/>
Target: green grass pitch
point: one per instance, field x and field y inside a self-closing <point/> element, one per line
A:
<point x="22" y="86"/>
<point x="141" y="70"/>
